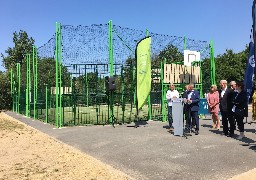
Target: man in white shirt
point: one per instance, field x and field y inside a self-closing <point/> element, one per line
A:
<point x="170" y="95"/>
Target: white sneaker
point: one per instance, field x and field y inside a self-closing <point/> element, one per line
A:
<point x="241" y="136"/>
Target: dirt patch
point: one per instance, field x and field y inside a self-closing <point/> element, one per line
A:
<point x="29" y="154"/>
<point x="250" y="175"/>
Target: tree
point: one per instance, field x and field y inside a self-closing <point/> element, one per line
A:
<point x="206" y="74"/>
<point x="128" y="73"/>
<point x="22" y="45"/>
<point x="5" y="93"/>
<point x="170" y="53"/>
<point x="47" y="72"/>
<point x="229" y="66"/>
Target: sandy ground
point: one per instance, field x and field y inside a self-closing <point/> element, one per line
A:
<point x="29" y="154"/>
<point x="250" y="175"/>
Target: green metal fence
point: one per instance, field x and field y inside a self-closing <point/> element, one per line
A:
<point x="75" y="92"/>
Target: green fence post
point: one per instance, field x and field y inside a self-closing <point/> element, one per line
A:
<point x="60" y="76"/>
<point x="12" y="89"/>
<point x="15" y="87"/>
<point x="34" y="92"/>
<point x="111" y="64"/>
<point x="57" y="76"/>
<point x="122" y="86"/>
<point x="34" y="77"/>
<point x="15" y="94"/>
<point x="36" y="54"/>
<point x="184" y="43"/>
<point x="96" y="91"/>
<point x="46" y="103"/>
<point x="18" y="87"/>
<point x="110" y="43"/>
<point x="28" y="87"/>
<point x="134" y="83"/>
<point x="163" y="98"/>
<point x="201" y="78"/>
<point x="49" y="92"/>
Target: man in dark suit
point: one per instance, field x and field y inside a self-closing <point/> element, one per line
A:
<point x="192" y="100"/>
<point x="226" y="98"/>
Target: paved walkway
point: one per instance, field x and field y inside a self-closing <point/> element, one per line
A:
<point x="149" y="152"/>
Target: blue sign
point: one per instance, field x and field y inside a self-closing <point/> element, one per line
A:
<point x="203" y="106"/>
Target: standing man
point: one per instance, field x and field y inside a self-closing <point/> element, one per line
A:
<point x="193" y="99"/>
<point x="233" y="85"/>
<point x="226" y="97"/>
<point x="170" y="95"/>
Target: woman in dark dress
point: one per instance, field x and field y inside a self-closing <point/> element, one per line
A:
<point x="239" y="108"/>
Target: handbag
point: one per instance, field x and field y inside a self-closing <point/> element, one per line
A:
<point x="239" y="112"/>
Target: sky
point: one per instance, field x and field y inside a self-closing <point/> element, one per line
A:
<point x="226" y="22"/>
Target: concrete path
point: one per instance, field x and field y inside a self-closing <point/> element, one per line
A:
<point x="150" y="152"/>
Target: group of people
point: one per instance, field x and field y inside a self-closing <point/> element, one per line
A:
<point x="191" y="107"/>
<point x="231" y="102"/>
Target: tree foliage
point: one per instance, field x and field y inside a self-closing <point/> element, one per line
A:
<point x="206" y="74"/>
<point x="128" y="74"/>
<point x="47" y="73"/>
<point x="229" y="66"/>
<point x="23" y="44"/>
<point x="170" y="53"/>
<point x="5" y="92"/>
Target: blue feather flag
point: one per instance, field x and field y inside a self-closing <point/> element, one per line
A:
<point x="249" y="73"/>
